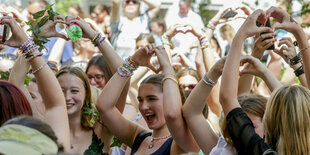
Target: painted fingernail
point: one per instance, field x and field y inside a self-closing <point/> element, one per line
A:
<point x="78" y="18"/>
<point x="4" y="14"/>
<point x="276" y="39"/>
<point x="273" y="34"/>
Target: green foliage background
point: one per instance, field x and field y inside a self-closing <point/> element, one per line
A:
<point x="63" y="5"/>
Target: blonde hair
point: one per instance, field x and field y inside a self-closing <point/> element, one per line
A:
<point x="230" y="32"/>
<point x="287" y="120"/>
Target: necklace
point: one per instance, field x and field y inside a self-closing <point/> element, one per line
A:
<point x="153" y="139"/>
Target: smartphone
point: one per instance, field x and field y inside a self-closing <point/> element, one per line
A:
<point x="267" y="25"/>
<point x="5" y="32"/>
<point x="229" y="14"/>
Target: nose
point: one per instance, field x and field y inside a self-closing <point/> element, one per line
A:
<point x="144" y="106"/>
<point x="67" y="96"/>
<point x="92" y="81"/>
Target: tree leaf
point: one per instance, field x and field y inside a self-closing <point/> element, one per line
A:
<point x="43" y="39"/>
<point x="43" y="21"/>
<point x="49" y="6"/>
<point x="38" y="14"/>
<point x="35" y="29"/>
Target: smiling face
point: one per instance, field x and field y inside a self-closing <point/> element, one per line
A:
<point x="96" y="77"/>
<point x="74" y="91"/>
<point x="151" y="105"/>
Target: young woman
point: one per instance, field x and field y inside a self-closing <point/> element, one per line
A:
<point x="286" y="112"/>
<point x="52" y="97"/>
<point x="156" y="97"/>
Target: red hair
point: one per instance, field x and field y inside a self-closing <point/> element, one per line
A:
<point x="12" y="102"/>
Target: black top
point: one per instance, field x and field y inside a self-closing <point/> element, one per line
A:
<point x="242" y="133"/>
<point x="95" y="147"/>
<point x="163" y="150"/>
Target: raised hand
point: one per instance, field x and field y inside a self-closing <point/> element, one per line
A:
<point x="142" y="56"/>
<point x="172" y="30"/>
<point x="285" y="21"/>
<point x="286" y="52"/>
<point x="88" y="32"/>
<point x="249" y="27"/>
<point x="260" y="46"/>
<point x="18" y="35"/>
<point x="163" y="58"/>
<point x="218" y="67"/>
<point x="253" y="66"/>
<point x="49" y="28"/>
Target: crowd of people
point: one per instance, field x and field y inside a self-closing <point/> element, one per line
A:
<point x="157" y="86"/>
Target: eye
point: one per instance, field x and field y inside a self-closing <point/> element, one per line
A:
<point x="74" y="91"/>
<point x="140" y="100"/>
<point x="152" y="99"/>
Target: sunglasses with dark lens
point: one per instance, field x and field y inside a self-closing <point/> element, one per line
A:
<point x="8" y="56"/>
<point x="97" y="77"/>
<point x="190" y="86"/>
<point x="133" y="1"/>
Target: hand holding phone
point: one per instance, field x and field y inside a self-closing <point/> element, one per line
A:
<point x="266" y="25"/>
<point x="229" y="13"/>
<point x="5" y="32"/>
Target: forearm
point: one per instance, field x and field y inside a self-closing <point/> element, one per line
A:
<point x="19" y="71"/>
<point x="271" y="81"/>
<point x="152" y="4"/>
<point x="305" y="54"/>
<point x="208" y="58"/>
<point x="115" y="9"/>
<point x="229" y="85"/>
<point x="111" y="92"/>
<point x="112" y="58"/>
<point x="139" y="73"/>
<point x="302" y="77"/>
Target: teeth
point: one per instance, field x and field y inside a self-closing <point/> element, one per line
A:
<point x="148" y="115"/>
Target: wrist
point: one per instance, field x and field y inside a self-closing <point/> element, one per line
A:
<point x="294" y="67"/>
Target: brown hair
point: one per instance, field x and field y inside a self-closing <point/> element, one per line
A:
<point x="147" y="36"/>
<point x="88" y="104"/>
<point x="101" y="63"/>
<point x="155" y="79"/>
<point x="250" y="103"/>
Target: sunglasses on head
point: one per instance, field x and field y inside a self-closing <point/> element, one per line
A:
<point x="133" y="1"/>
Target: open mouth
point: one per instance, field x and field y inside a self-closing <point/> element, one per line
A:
<point x="150" y="117"/>
<point x="70" y="105"/>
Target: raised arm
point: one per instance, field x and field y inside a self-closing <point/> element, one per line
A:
<point x="261" y="43"/>
<point x="193" y="107"/>
<point x="115" y="10"/>
<point x="286" y="22"/>
<point x="112" y="58"/>
<point x="289" y="54"/>
<point x="229" y="85"/>
<point x="53" y="98"/>
<point x="255" y="67"/>
<point x="18" y="76"/>
<point x="173" y="106"/>
<point x="122" y="128"/>
<point x="154" y="7"/>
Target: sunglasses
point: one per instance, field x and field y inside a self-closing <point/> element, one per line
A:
<point x="133" y="1"/>
<point x="8" y="56"/>
<point x="190" y="86"/>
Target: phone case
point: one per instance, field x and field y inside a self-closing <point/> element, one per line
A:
<point x="267" y="25"/>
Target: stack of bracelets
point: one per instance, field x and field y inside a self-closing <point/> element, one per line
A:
<point x="28" y="49"/>
<point x="204" y="43"/>
<point x="208" y="81"/>
<point x="98" y="39"/>
<point x="165" y="40"/>
<point x="171" y="77"/>
<point x="211" y="25"/>
<point x="127" y="68"/>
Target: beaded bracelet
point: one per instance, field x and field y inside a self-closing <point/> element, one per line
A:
<point x="38" y="69"/>
<point x="208" y="82"/>
<point x="29" y="48"/>
<point x="98" y="39"/>
<point x="34" y="56"/>
<point x="23" y="45"/>
<point x="204" y="44"/>
<point x="124" y="72"/>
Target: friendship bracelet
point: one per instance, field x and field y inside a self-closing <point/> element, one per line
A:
<point x="38" y="69"/>
<point x="34" y="56"/>
<point x="299" y="71"/>
<point x="23" y="45"/>
<point x="124" y="72"/>
<point x="96" y="35"/>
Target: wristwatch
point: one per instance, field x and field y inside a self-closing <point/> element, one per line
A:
<point x="299" y="71"/>
<point x="295" y="60"/>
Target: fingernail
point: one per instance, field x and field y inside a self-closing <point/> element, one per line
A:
<point x="4" y="14"/>
<point x="275" y="40"/>
<point x="273" y="34"/>
<point x="1" y="23"/>
<point x="78" y="18"/>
